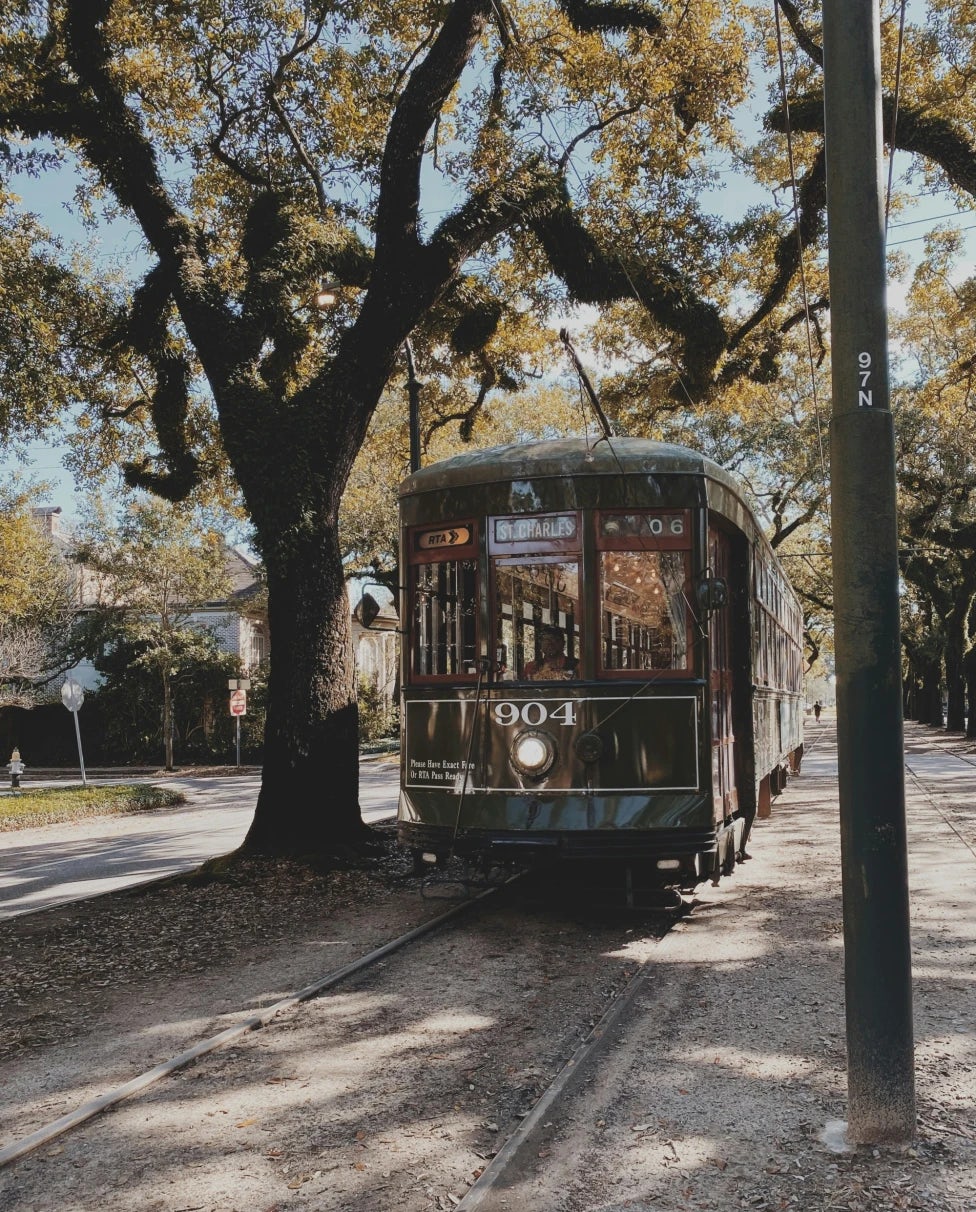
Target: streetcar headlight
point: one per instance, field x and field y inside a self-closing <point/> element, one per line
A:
<point x="533" y="753"/>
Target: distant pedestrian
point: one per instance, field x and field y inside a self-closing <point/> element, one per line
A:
<point x="817" y="708"/>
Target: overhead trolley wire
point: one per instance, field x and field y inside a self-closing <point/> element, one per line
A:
<point x="894" y="116"/>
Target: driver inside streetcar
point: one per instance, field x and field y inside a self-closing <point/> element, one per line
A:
<point x="553" y="663"/>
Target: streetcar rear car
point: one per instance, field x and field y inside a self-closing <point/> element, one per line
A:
<point x="601" y="659"/>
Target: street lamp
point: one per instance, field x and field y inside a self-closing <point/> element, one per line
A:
<point x="327" y="295"/>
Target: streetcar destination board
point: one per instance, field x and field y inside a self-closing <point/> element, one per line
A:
<point x="522" y="530"/>
<point x="446" y="536"/>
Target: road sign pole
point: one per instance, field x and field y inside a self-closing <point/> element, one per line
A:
<point x="73" y="697"/>
<point x="238" y="706"/>
<point x="81" y="756"/>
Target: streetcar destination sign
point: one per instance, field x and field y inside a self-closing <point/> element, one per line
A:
<point x="447" y="536"/>
<point x="522" y="530"/>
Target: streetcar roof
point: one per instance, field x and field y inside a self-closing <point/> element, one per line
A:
<point x="566" y="457"/>
<point x="578" y="459"/>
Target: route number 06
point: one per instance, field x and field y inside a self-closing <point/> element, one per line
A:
<point x="533" y="714"/>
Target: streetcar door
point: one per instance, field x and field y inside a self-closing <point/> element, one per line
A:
<point x="724" y="792"/>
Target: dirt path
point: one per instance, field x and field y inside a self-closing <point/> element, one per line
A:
<point x="718" y="1095"/>
<point x="395" y="1092"/>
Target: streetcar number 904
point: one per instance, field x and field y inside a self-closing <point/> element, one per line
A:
<point x="506" y="714"/>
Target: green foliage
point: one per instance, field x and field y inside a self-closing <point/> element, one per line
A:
<point x="130" y="703"/>
<point x="55" y="314"/>
<point x="36" y="604"/>
<point x="378" y="717"/>
<point x="155" y="566"/>
<point x="53" y="805"/>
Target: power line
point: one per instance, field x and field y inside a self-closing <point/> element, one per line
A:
<point x="949" y="214"/>
<point x="916" y="239"/>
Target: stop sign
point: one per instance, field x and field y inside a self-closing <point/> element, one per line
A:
<point x="238" y="702"/>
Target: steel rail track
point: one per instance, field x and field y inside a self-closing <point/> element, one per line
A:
<point x="496" y="1168"/>
<point x="254" y="1022"/>
<point x="497" y="1171"/>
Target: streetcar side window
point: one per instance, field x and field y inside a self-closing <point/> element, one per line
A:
<point x="645" y="567"/>
<point x="778" y="621"/>
<point x="537" y="620"/>
<point x="444" y="615"/>
<point x="644" y="609"/>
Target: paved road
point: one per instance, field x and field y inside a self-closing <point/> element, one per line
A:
<point x="40" y="868"/>
<point x="54" y="864"/>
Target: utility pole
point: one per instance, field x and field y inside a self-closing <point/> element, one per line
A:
<point x="413" y="396"/>
<point x="877" y="952"/>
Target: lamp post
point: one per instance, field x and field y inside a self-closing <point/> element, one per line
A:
<point x="238" y="688"/>
<point x="327" y="295"/>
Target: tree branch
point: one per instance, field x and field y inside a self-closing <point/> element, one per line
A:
<point x="803" y="37"/>
<point x="586" y="17"/>
<point x="117" y="144"/>
<point x="917" y="131"/>
<point x="812" y="203"/>
<point x="423" y="98"/>
<point x="594" y="275"/>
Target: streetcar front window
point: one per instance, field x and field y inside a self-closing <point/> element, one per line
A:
<point x="644" y="610"/>
<point x="537" y="614"/>
<point x="445" y="614"/>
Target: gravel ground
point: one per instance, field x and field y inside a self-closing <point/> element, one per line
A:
<point x="727" y="1089"/>
<point x="395" y="1091"/>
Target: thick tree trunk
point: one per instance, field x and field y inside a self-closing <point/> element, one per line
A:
<point x="969" y="668"/>
<point x="167" y="721"/>
<point x="909" y="694"/>
<point x="955" y="690"/>
<point x="309" y="799"/>
<point x="930" y="700"/>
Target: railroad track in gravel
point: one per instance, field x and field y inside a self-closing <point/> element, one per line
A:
<point x="229" y="1035"/>
<point x="954" y="809"/>
<point x="341" y="976"/>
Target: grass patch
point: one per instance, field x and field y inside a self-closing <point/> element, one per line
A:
<point x="52" y="805"/>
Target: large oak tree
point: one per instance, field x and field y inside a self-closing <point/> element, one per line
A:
<point x="260" y="147"/>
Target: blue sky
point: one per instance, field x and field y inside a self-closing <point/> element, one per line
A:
<point x="50" y="195"/>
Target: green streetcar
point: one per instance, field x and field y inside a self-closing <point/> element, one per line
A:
<point x="602" y="659"/>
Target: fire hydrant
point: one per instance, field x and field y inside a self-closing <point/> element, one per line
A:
<point x="16" y="768"/>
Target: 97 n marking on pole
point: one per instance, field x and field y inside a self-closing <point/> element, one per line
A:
<point x="865" y="398"/>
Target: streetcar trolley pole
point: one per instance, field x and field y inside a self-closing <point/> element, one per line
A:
<point x="870" y="741"/>
<point x="238" y="688"/>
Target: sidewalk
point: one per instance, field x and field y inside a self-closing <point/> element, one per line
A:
<point x="719" y="1093"/>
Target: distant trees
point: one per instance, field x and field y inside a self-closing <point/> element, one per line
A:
<point x="261" y="149"/>
<point x="37" y="609"/>
<point x="936" y="418"/>
<point x="149" y="569"/>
